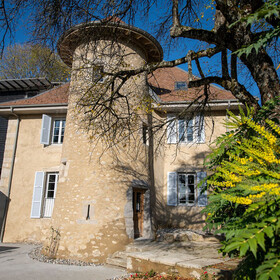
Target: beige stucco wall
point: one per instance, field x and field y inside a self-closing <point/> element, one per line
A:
<point x="187" y="158"/>
<point x="31" y="156"/>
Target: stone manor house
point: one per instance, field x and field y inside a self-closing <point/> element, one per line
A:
<point x="100" y="200"/>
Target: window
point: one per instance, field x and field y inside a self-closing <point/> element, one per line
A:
<point x="181" y="85"/>
<point x="97" y="74"/>
<point x="52" y="130"/>
<point x="44" y="192"/>
<point x="188" y="130"/>
<point x="186" y="191"/>
<point x="145" y="134"/>
<point x="58" y="131"/>
<point x="182" y="189"/>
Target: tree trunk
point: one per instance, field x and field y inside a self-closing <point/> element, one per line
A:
<point x="264" y="74"/>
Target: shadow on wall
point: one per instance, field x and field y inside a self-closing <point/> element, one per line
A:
<point x="134" y="174"/>
<point x="3" y="201"/>
<point x="191" y="163"/>
<point x="186" y="156"/>
<point x="3" y="134"/>
<point x="180" y="216"/>
<point x="177" y="216"/>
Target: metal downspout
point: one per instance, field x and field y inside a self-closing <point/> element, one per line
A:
<point x="228" y="108"/>
<point x="10" y="177"/>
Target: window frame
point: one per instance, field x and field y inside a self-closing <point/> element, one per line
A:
<point x="186" y="122"/>
<point x="174" y="126"/>
<point x="98" y="73"/>
<point x="178" y="87"/>
<point x="187" y="203"/>
<point x="40" y="194"/>
<point x="145" y="134"/>
<point x="60" y="135"/>
<point x="46" y="191"/>
<point x="48" y="174"/>
<point x="174" y="190"/>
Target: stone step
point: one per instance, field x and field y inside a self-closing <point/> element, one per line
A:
<point x="186" y="265"/>
<point x="118" y="259"/>
<point x="181" y="235"/>
<point x="120" y="254"/>
<point x="140" y="245"/>
<point x="117" y="262"/>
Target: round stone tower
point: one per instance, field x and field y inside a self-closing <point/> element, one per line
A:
<point x="102" y="199"/>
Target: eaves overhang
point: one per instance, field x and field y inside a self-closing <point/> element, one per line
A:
<point x="176" y="106"/>
<point x="96" y="30"/>
<point x="6" y="111"/>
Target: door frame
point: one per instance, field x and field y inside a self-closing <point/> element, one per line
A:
<point x="138" y="202"/>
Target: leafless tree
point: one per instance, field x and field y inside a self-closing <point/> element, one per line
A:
<point x="50" y="18"/>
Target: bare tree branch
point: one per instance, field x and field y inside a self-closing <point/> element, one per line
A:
<point x="233" y="65"/>
<point x="224" y="64"/>
<point x="237" y="89"/>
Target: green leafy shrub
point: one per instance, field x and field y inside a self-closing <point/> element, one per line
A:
<point x="245" y="199"/>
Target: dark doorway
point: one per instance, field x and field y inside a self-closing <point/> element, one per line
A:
<point x="138" y="211"/>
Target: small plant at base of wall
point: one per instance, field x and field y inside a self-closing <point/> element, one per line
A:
<point x="152" y="275"/>
<point x="51" y="249"/>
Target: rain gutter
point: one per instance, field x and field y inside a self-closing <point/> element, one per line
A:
<point x="10" y="176"/>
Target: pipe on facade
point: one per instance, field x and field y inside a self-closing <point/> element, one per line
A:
<point x="10" y="176"/>
<point x="228" y="108"/>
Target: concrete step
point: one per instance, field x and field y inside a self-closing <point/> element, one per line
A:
<point x="117" y="262"/>
<point x="140" y="245"/>
<point x="118" y="259"/>
<point x="184" y="264"/>
<point x="185" y="235"/>
<point x="120" y="254"/>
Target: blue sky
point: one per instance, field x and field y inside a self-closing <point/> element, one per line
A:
<point x="178" y="50"/>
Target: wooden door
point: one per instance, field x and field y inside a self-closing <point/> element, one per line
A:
<point x="138" y="211"/>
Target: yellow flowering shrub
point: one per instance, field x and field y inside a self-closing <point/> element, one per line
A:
<point x="245" y="194"/>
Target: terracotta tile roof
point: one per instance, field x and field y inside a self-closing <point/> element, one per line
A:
<point x="113" y="19"/>
<point x="57" y="95"/>
<point x="163" y="83"/>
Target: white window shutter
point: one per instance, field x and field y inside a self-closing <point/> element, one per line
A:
<point x="37" y="195"/>
<point x="182" y="130"/>
<point x="172" y="189"/>
<point x="202" y="197"/>
<point x="200" y="128"/>
<point x="46" y="129"/>
<point x="171" y="130"/>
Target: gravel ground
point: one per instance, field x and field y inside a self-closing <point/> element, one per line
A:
<point x="36" y="254"/>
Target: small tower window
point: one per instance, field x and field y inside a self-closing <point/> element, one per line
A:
<point x="98" y="74"/>
<point x="145" y="134"/>
<point x="181" y="85"/>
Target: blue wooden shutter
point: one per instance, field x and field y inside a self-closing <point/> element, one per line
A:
<point x="202" y="197"/>
<point x="199" y="127"/>
<point x="37" y="195"/>
<point x="171" y="130"/>
<point x="46" y="130"/>
<point x="172" y="189"/>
